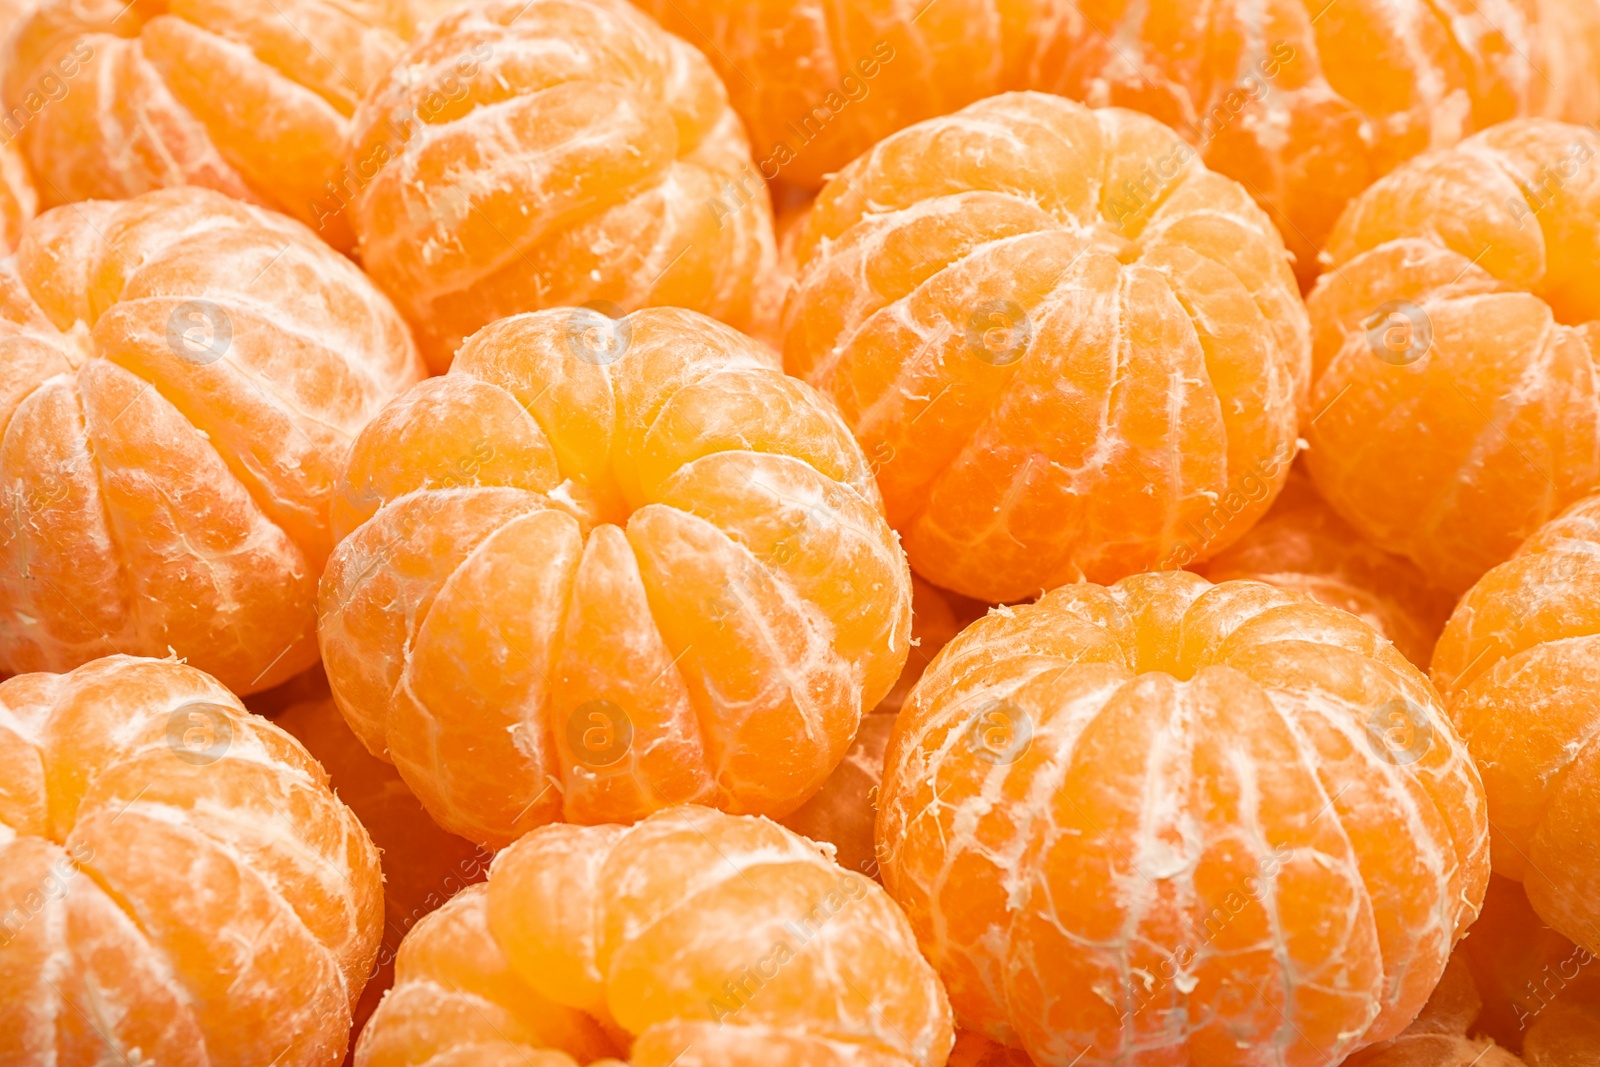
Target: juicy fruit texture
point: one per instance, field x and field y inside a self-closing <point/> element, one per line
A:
<point x="1301" y="545"/>
<point x="182" y="375"/>
<point x="844" y="809"/>
<point x="252" y="98"/>
<point x="423" y="866"/>
<point x="1454" y="342"/>
<point x="975" y="1050"/>
<point x="1308" y="105"/>
<point x="704" y="939"/>
<point x="1056" y="375"/>
<point x="604" y="567"/>
<point x="176" y="877"/>
<point x="818" y="84"/>
<point x="588" y="158"/>
<point x="1183" y="822"/>
<point x="1519" y="664"/>
<point x="19" y="203"/>
<point x="1438" y="1035"/>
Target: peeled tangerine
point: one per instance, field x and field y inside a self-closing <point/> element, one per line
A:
<point x="1301" y="545"/>
<point x="1057" y="378"/>
<point x="1519" y="665"/>
<point x="701" y="939"/>
<point x="1438" y="1036"/>
<point x="820" y="83"/>
<point x="590" y="158"/>
<point x="251" y="98"/>
<point x="183" y="374"/>
<point x="1308" y="103"/>
<point x="1168" y="822"/>
<point x="1456" y="403"/>
<point x="606" y="566"/>
<point x="178" y="884"/>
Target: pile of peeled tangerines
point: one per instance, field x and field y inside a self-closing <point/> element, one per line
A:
<point x="778" y="533"/>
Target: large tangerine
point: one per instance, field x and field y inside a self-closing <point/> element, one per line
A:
<point x="1307" y="104"/>
<point x="1455" y="403"/>
<point x="1519" y="664"/>
<point x="183" y="374"/>
<point x="589" y="157"/>
<point x="178" y="883"/>
<point x="701" y="939"/>
<point x="1167" y="822"/>
<point x="606" y="566"/>
<point x="1054" y="378"/>
<point x="252" y="98"/>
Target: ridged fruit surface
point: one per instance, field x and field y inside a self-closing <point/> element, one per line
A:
<point x="1167" y="822"/>
<point x="1456" y="402"/>
<point x="560" y="152"/>
<point x="603" y="567"/>
<point x="179" y="884"/>
<point x="700" y="939"/>
<point x="1519" y="664"/>
<point x="1055" y="380"/>
<point x="183" y="375"/>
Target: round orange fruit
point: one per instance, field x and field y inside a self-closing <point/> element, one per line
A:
<point x="818" y="84"/>
<point x="1173" y="822"/>
<point x="178" y="884"/>
<point x="183" y="375"/>
<point x="252" y="98"/>
<point x="583" y="156"/>
<point x="1455" y="407"/>
<point x="605" y="566"/>
<point x="1519" y="664"/>
<point x="1308" y="103"/>
<point x="694" y="938"/>
<point x="1055" y="379"/>
<point x="1301" y="545"/>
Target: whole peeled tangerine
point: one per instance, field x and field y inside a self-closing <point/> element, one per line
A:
<point x="605" y="566"/>
<point x="526" y="154"/>
<point x="693" y="939"/>
<point x="178" y="883"/>
<point x="1061" y="367"/>
<point x="1519" y="663"/>
<point x="1169" y="821"/>
<point x="182" y="376"/>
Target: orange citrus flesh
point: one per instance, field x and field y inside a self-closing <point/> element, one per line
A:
<point x="693" y="938"/>
<point x="975" y="1050"/>
<point x="1301" y="545"/>
<point x="1454" y="406"/>
<point x="19" y="203"/>
<point x="1058" y="372"/>
<point x="178" y="884"/>
<point x="1568" y="1035"/>
<point x="183" y="375"/>
<point x="423" y="866"/>
<point x="818" y="83"/>
<point x="604" y="566"/>
<point x="843" y="811"/>
<point x="1308" y="104"/>
<point x="1179" y="823"/>
<point x="583" y="155"/>
<point x="1438" y="1035"/>
<point x="252" y="98"/>
<point x="1519" y="665"/>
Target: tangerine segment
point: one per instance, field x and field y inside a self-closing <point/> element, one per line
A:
<point x="252" y="98"/>
<point x="176" y="877"/>
<point x="1181" y="822"/>
<point x="1303" y="546"/>
<point x="183" y="374"/>
<point x="1307" y="106"/>
<point x="696" y="937"/>
<point x="1058" y="373"/>
<point x="606" y="566"/>
<point x="1456" y="404"/>
<point x="1519" y="664"/>
<point x="423" y="866"/>
<point x="591" y="157"/>
<point x="819" y="84"/>
<point x="1568" y="1035"/>
<point x="19" y="202"/>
